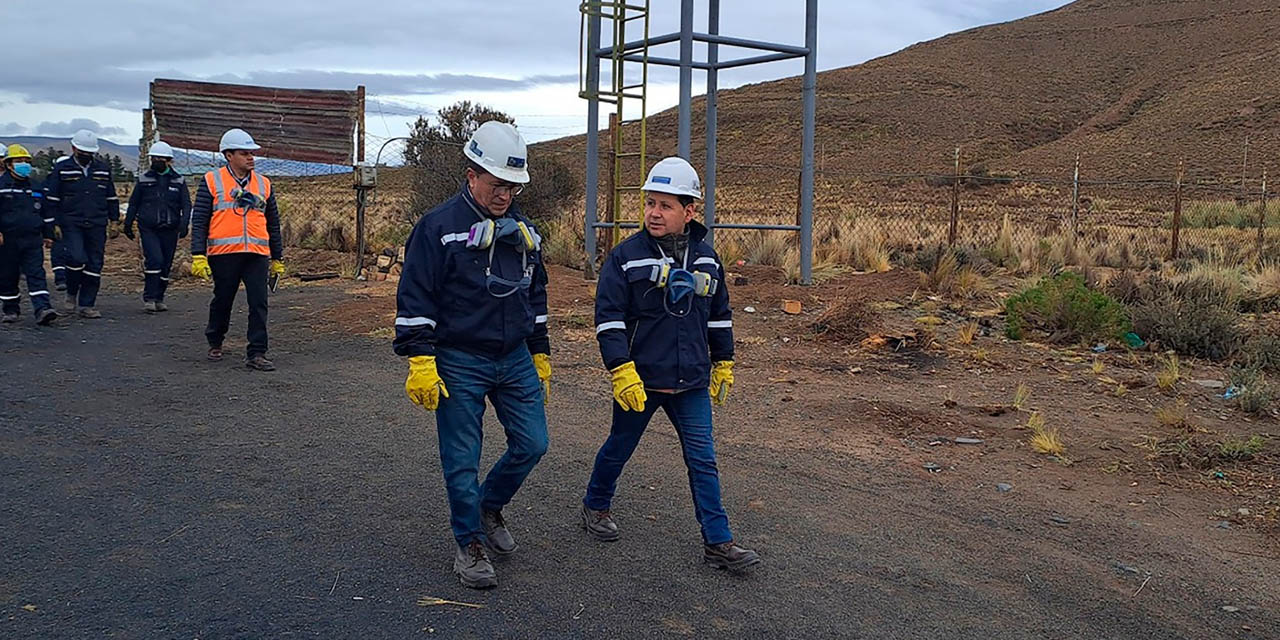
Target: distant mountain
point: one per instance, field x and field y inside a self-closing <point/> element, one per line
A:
<point x="187" y="162"/>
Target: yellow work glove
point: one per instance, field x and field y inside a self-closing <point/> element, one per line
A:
<point x="628" y="388"/>
<point x="277" y="267"/>
<point x="57" y="232"/>
<point x="424" y="385"/>
<point x="200" y="267"/>
<point x="542" y="362"/>
<point x="721" y="380"/>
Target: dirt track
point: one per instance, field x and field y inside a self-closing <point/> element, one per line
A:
<point x="149" y="494"/>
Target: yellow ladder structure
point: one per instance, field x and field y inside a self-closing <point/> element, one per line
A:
<point x="619" y="14"/>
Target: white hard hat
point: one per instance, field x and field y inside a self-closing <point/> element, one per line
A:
<point x="85" y="140"/>
<point x="499" y="149"/>
<point x="237" y="139"/>
<point x="61" y="158"/>
<point x="676" y="176"/>
<point x="160" y="149"/>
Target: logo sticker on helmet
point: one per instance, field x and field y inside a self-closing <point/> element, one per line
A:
<point x="515" y="163"/>
<point x="475" y="148"/>
<point x="661" y="180"/>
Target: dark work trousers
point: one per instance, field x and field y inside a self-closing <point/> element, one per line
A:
<point x="229" y="270"/>
<point x="157" y="257"/>
<point x="23" y="254"/>
<point x="58" y="258"/>
<point x="85" y="247"/>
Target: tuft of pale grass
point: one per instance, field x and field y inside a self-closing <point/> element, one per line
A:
<point x="1044" y="439"/>
<point x="981" y="354"/>
<point x="1170" y="373"/>
<point x="1265" y="282"/>
<point x="1020" y="396"/>
<point x="967" y="333"/>
<point x="1173" y="415"/>
<point x="1097" y="367"/>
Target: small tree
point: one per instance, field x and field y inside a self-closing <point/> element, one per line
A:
<point x="435" y="150"/>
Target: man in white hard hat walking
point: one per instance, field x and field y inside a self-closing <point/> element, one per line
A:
<point x="235" y="238"/>
<point x="472" y="319"/>
<point x="83" y="198"/>
<point x="161" y="205"/>
<point x="666" y="334"/>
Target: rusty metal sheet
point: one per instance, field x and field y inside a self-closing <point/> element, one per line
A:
<point x="307" y="125"/>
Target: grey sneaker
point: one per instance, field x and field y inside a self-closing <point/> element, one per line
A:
<point x="599" y="524"/>
<point x="260" y="363"/>
<point x="472" y="566"/>
<point x="69" y="303"/>
<point x="729" y="556"/>
<point x="149" y="307"/>
<point x="9" y="317"/>
<point x="46" y="317"/>
<point x="495" y="528"/>
<point x="90" y="313"/>
<point x="160" y="306"/>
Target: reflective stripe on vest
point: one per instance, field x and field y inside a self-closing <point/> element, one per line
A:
<point x="232" y="228"/>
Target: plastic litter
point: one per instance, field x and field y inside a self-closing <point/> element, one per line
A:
<point x="1231" y="392"/>
<point x="1134" y="341"/>
<point x="1100" y="348"/>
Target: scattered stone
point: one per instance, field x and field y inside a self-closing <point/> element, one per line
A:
<point x="968" y="440"/>
<point x="1124" y="568"/>
<point x="791" y="307"/>
<point x="1223" y="524"/>
<point x="750" y="309"/>
<point x="1211" y="384"/>
<point x="1243" y="512"/>
<point x="1059" y="520"/>
<point x="1003" y="487"/>
<point x="741" y="281"/>
<point x="1230" y="609"/>
<point x="932" y="467"/>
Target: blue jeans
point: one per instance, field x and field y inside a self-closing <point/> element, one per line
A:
<point x="511" y="384"/>
<point x="690" y="413"/>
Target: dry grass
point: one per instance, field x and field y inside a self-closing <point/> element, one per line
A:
<point x="1097" y="367"/>
<point x="1020" y="396"/>
<point x="1044" y="439"/>
<point x="966" y="334"/>
<point x="1170" y="374"/>
<point x="1173" y="416"/>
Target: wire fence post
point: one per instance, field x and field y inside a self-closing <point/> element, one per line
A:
<point x="1075" y="201"/>
<point x="1262" y="218"/>
<point x="612" y="203"/>
<point x="955" y="203"/>
<point x="362" y="197"/>
<point x="1177" y="213"/>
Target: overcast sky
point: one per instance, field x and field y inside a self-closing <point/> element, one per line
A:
<point x="87" y="64"/>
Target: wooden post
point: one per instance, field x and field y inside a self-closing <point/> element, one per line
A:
<point x="955" y="202"/>
<point x="1075" y="201"/>
<point x="1177" y="213"/>
<point x="1262" y="218"/>
<point x="1244" y="173"/>
<point x="360" y="124"/>
<point x="148" y="137"/>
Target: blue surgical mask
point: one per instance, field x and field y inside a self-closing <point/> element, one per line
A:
<point x="22" y="169"/>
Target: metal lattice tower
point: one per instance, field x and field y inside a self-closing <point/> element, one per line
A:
<point x="621" y="52"/>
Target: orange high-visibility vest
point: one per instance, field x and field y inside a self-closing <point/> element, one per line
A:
<point x="233" y="226"/>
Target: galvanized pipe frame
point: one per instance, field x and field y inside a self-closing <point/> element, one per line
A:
<point x="686" y="36"/>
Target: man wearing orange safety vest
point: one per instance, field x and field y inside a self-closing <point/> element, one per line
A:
<point x="235" y="230"/>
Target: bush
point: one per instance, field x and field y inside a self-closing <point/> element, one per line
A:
<point x="1255" y="393"/>
<point x="1065" y="308"/>
<point x="1263" y="352"/>
<point x="1195" y="317"/>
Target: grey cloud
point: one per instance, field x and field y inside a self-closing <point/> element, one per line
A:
<point x="12" y="129"/>
<point x="61" y="129"/>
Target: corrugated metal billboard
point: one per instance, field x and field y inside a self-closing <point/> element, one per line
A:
<point x="308" y="125"/>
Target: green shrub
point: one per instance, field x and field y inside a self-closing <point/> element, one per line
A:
<point x="1193" y="316"/>
<point x="1255" y="393"/>
<point x="1065" y="308"/>
<point x="1263" y="352"/>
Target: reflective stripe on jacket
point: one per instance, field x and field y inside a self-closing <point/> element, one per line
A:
<point x="238" y="223"/>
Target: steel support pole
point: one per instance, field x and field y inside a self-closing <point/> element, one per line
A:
<point x="709" y="185"/>
<point x="686" y="78"/>
<point x="810" y="125"/>
<point x="593" y="146"/>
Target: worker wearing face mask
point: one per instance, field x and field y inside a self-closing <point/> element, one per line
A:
<point x="472" y="319"/>
<point x="83" y="198"/>
<point x="25" y="232"/>
<point x="161" y="205"/>
<point x="666" y="334"/>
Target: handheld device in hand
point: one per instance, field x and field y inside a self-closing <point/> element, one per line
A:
<point x="273" y="281"/>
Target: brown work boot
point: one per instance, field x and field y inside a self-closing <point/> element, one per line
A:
<point x="729" y="556"/>
<point x="496" y="532"/>
<point x="472" y="566"/>
<point x="599" y="524"/>
<point x="215" y="354"/>
<point x="260" y="363"/>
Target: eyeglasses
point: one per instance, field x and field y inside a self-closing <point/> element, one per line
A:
<point x="506" y="188"/>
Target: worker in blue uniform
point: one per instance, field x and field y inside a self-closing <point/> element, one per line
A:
<point x="666" y="334"/>
<point x="83" y="198"/>
<point x="472" y="319"/>
<point x="25" y="232"/>
<point x="161" y="205"/>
